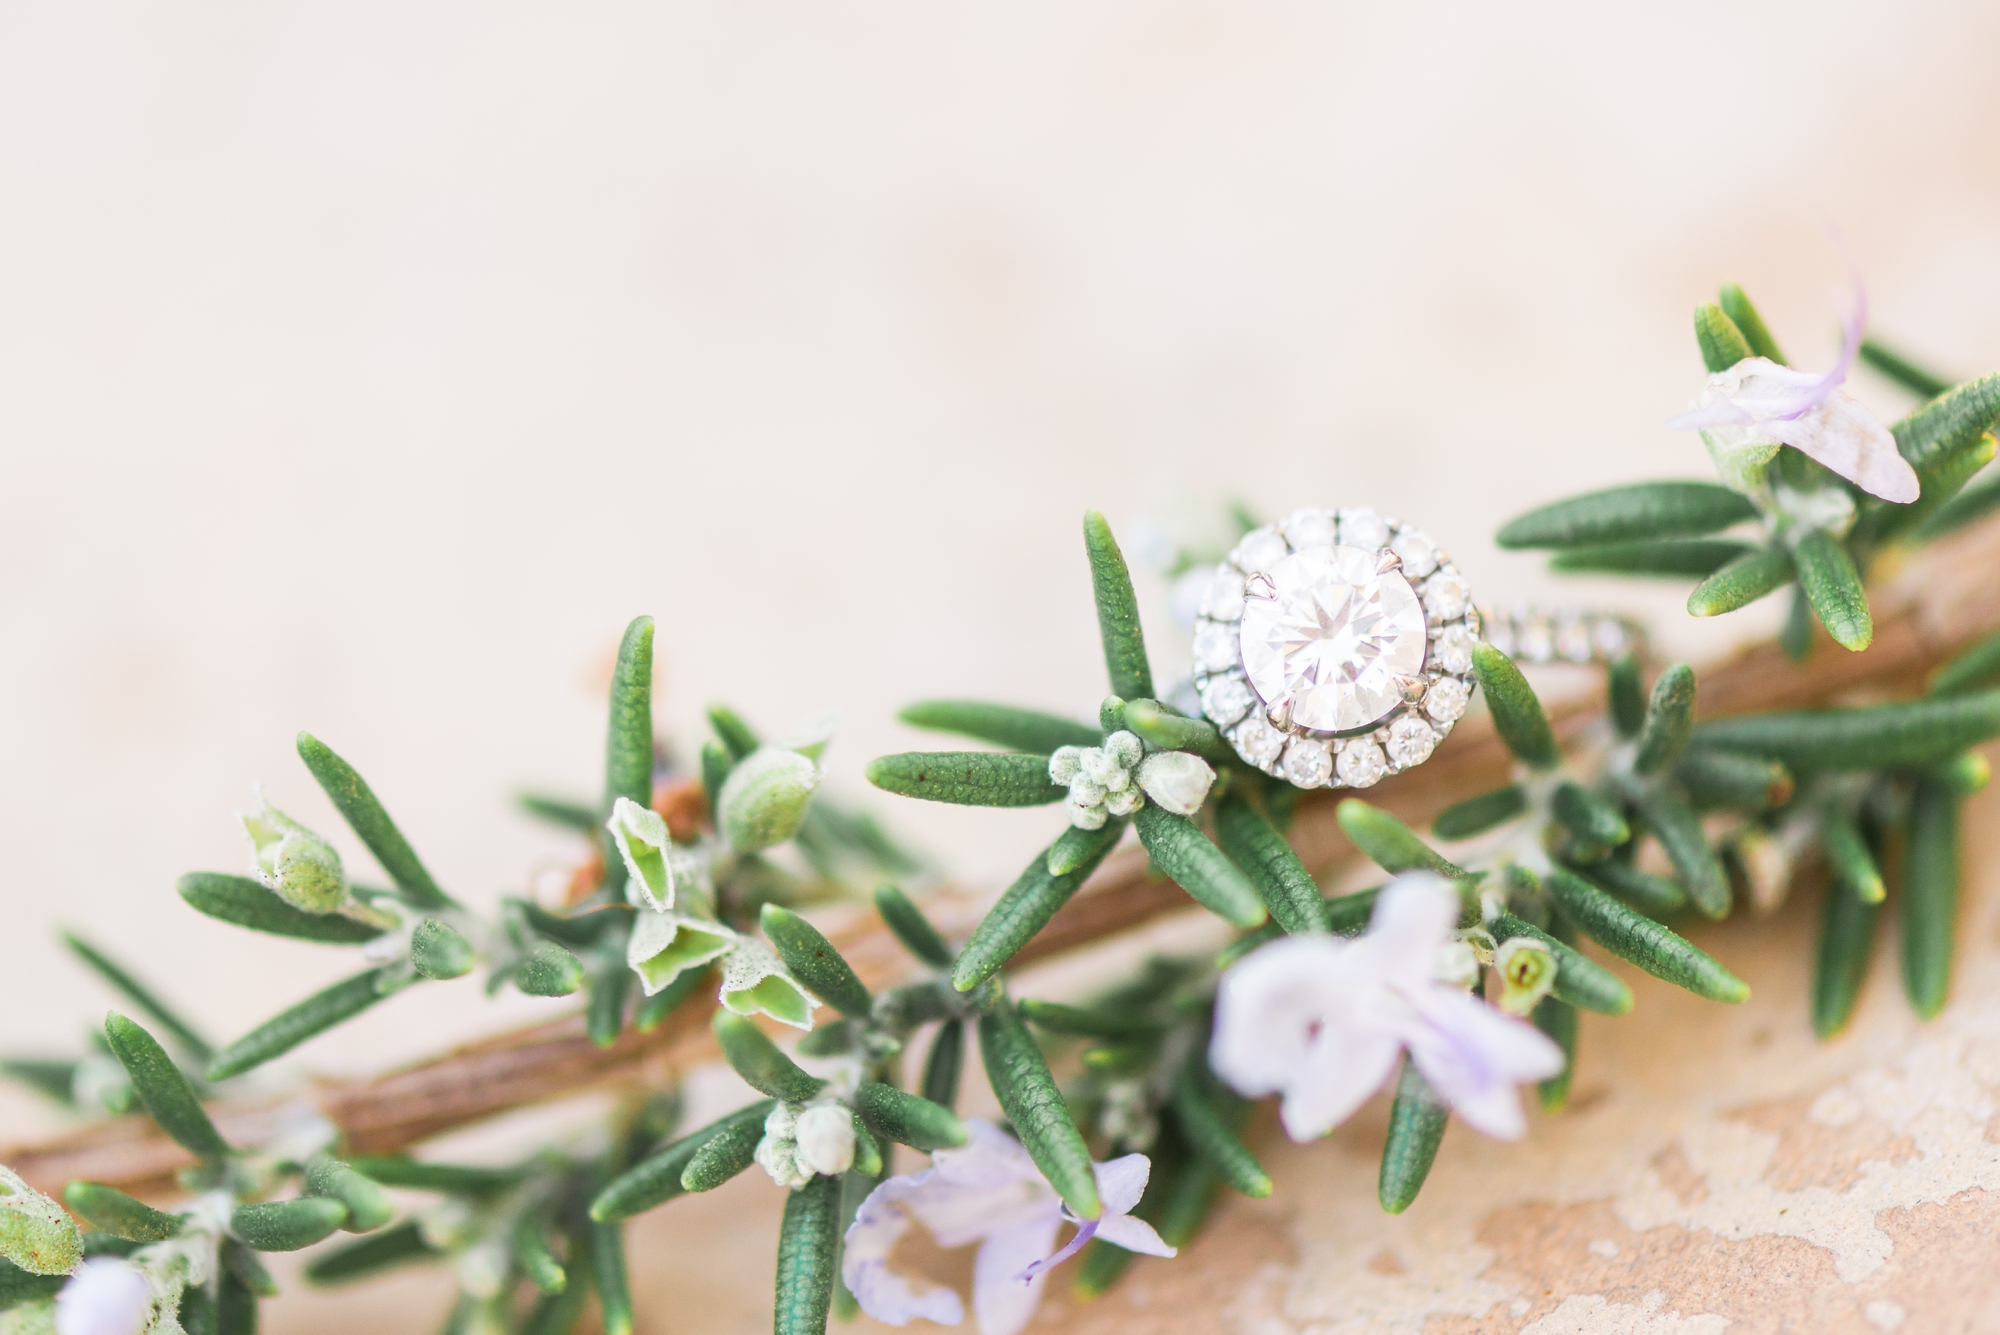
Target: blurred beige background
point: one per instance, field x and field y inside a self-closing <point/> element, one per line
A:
<point x="364" y="367"/>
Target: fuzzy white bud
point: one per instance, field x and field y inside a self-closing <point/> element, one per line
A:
<point x="764" y="799"/>
<point x="825" y="1135"/>
<point x="297" y="865"/>
<point x="1177" y="781"/>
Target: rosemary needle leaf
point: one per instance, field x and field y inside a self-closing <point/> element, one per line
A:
<point x="808" y="1254"/>
<point x="1637" y="513"/>
<point x="1517" y="714"/>
<point x="1743" y="581"/>
<point x="1253" y="844"/>
<point x="1023" y="910"/>
<point x="1390" y="844"/>
<point x="163" y="1088"/>
<point x="1028" y="1095"/>
<point x="1477" y="815"/>
<point x="1187" y="857"/>
<point x="1416" y="1126"/>
<point x="968" y="778"/>
<point x="1003" y="725"/>
<point x="365" y="815"/>
<point x="814" y="962"/>
<point x="1641" y="941"/>
<point x="314" y="1016"/>
<point x="1117" y="612"/>
<point x="1928" y="897"/>
<point x="244" y="902"/>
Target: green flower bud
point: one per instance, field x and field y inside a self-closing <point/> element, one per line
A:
<point x="36" y="1234"/>
<point x="648" y="850"/>
<point x="1527" y="971"/>
<point x="665" y="945"/>
<point x="438" y="950"/>
<point x="297" y="865"/>
<point x="755" y="980"/>
<point x="765" y="797"/>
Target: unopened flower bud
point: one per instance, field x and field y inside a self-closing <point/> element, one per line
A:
<point x="482" y="1268"/>
<point x="438" y="951"/>
<point x="641" y="836"/>
<point x="297" y="865"/>
<point x="107" y="1296"/>
<point x="1124" y="748"/>
<point x="1125" y="802"/>
<point x="1099" y="766"/>
<point x="1084" y="815"/>
<point x="826" y="1139"/>
<point x="36" y="1234"/>
<point x="1456" y="964"/>
<point x="755" y="981"/>
<point x="1065" y="763"/>
<point x="764" y="799"/>
<point x="1177" y="781"/>
<point x="1527" y="971"/>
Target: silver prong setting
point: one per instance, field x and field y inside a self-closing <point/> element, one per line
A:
<point x="1387" y="561"/>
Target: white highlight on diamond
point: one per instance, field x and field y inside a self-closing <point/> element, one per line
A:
<point x="1454" y="650"/>
<point x="1226" y="699"/>
<point x="1257" y="742"/>
<point x="1446" y="596"/>
<point x="1310" y="528"/>
<point x="1363" y="528"/>
<point x="1361" y="763"/>
<point x="1333" y="639"/>
<point x="1215" y="646"/>
<point x="1446" y="699"/>
<point x="1308" y="763"/>
<point x="1417" y="553"/>
<point x="1260" y="551"/>
<point x="1224" y="599"/>
<point x="1411" y="741"/>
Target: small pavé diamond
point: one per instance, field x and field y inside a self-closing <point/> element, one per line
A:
<point x="1573" y="640"/>
<point x="1411" y="741"/>
<point x="1224" y="599"/>
<point x="1611" y="638"/>
<point x="1308" y="763"/>
<point x="1258" y="742"/>
<point x="1334" y="639"/>
<point x="1500" y="634"/>
<point x="1446" y="699"/>
<point x="1226" y="699"/>
<point x="1259" y="551"/>
<point x="1536" y="641"/>
<point x="1418" y="553"/>
<point x="1363" y="528"/>
<point x="1309" y="528"/>
<point x="1446" y="595"/>
<point x="1454" y="648"/>
<point x="1215" y="646"/>
<point x="1361" y="763"/>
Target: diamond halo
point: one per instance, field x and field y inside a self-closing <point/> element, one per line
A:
<point x="1334" y="648"/>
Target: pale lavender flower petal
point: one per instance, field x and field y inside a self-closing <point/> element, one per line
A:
<point x="1270" y="1008"/>
<point x="864" y="1263"/>
<point x="1121" y="1182"/>
<point x="1474" y="1056"/>
<point x="1413" y="916"/>
<point x="1084" y="1233"/>
<point x="1339" y="1076"/>
<point x="1002" y="1301"/>
<point x="1134" y="1235"/>
<point x="106" y="1296"/>
<point x="1843" y="435"/>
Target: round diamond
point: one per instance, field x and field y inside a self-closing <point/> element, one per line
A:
<point x="1454" y="647"/>
<point x="1411" y="741"/>
<point x="1364" y="529"/>
<point x="1537" y="641"/>
<point x="1610" y="638"/>
<point x="1500" y="634"/>
<point x="1215" y="646"/>
<point x="1361" y="763"/>
<point x="1224" y="599"/>
<point x="1308" y="763"/>
<point x="1446" y="699"/>
<point x="1260" y="551"/>
<point x="1446" y="596"/>
<point x="1310" y="528"/>
<point x="1257" y="741"/>
<point x="1417" y="553"/>
<point x="1226" y="699"/>
<point x="1334" y="639"/>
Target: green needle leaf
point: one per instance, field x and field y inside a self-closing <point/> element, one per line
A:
<point x="246" y="903"/>
<point x="1186" y="857"/>
<point x="368" y="1206"/>
<point x="1558" y="1020"/>
<point x="1588" y="816"/>
<point x="143" y="997"/>
<point x="1024" y="910"/>
<point x="1846" y="941"/>
<point x="578" y="816"/>
<point x="1212" y="1137"/>
<point x="165" y="1091"/>
<point x="814" y="962"/>
<point x="912" y="928"/>
<point x="656" y="1179"/>
<point x="1188" y="1202"/>
<point x="112" y="1211"/>
<point x="1929" y="897"/>
<point x="1075" y="846"/>
<point x="535" y="1256"/>
<point x="370" y="1255"/>
<point x="1002" y="725"/>
<point x="1654" y="896"/>
<point x="1743" y="581"/>
<point x="1055" y="1018"/>
<point x="1669" y="720"/>
<point x="1913" y="733"/>
<point x="1390" y="844"/>
<point x="808" y="1255"/>
<point x="723" y="1155"/>
<point x="1953" y="421"/>
<point x="1282" y="881"/>
<point x="1756" y="336"/>
<point x="438" y="951"/>
<point x="1975" y="667"/>
<point x="1117" y="612"/>
<point x="628" y="739"/>
<point x="1517" y="712"/>
<point x="1028" y="1095"/>
<point x="1975" y="501"/>
<point x="757" y="1059"/>
<point x="1641" y="941"/>
<point x="1729" y="779"/>
<point x="19" y="1286"/>
<point x="1722" y="343"/>
<point x="604" y="1013"/>
<point x="1641" y="512"/>
<point x="1477" y="815"/>
<point x="1847" y="854"/>
<point x="1678" y="828"/>
<point x="1626" y="696"/>
<point x="1416" y="1126"/>
<point x="1833" y="586"/>
<point x="944" y="1064"/>
<point x="968" y="778"/>
<point x="286" y="1226"/>
<point x="1673" y="558"/>
<point x="395" y="1170"/>
<point x="548" y="971"/>
<point x="1923" y="383"/>
<point x="314" y="1016"/>
<point x="908" y="1119"/>
<point x="608" y="1270"/>
<point x="1795" y="637"/>
<point x="1580" y="981"/>
<point x="1164" y="730"/>
<point x="735" y="734"/>
<point x="364" y="814"/>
